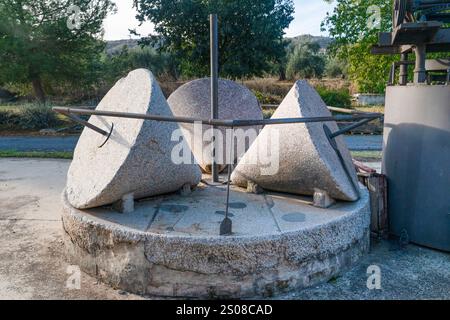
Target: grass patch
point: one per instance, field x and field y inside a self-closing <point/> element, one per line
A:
<point x="9" y="107"/>
<point x="367" y="155"/>
<point x="36" y="154"/>
<point x="268" y="113"/>
<point x="377" y="109"/>
<point x="358" y="155"/>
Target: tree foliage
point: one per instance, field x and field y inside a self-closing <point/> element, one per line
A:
<point x="118" y="65"/>
<point x="355" y="26"/>
<point x="335" y="66"/>
<point x="305" y="61"/>
<point x="37" y="45"/>
<point x="250" y="32"/>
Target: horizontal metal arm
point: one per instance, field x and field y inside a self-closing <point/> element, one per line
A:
<point x="216" y="122"/>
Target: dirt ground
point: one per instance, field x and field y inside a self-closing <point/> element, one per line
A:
<point x="32" y="264"/>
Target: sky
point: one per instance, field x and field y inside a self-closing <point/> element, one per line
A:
<point x="307" y="18"/>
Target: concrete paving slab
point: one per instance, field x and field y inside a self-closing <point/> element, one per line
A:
<point x="28" y="187"/>
<point x="288" y="217"/>
<point x="203" y="211"/>
<point x="200" y="214"/>
<point x="32" y="259"/>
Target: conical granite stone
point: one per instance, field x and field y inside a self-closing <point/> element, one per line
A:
<point x="137" y="158"/>
<point x="235" y="102"/>
<point x="306" y="159"/>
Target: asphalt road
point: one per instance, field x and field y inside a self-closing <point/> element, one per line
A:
<point x="36" y="143"/>
<point x="45" y="143"/>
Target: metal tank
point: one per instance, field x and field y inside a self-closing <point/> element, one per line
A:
<point x="416" y="161"/>
<point x="416" y="156"/>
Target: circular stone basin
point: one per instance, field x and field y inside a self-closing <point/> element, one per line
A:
<point x="170" y="245"/>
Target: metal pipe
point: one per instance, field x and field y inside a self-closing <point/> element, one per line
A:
<point x="266" y="122"/>
<point x="214" y="53"/>
<point x="349" y="128"/>
<point x="403" y="81"/>
<point x="420" y="73"/>
<point x="143" y="116"/>
<point x="213" y="122"/>
<point x="344" y="110"/>
<point x="333" y="109"/>
<point x="86" y="124"/>
<point x="391" y="80"/>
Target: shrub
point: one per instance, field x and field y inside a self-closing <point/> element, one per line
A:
<point x="29" y="117"/>
<point x="269" y="86"/>
<point x="38" y="117"/>
<point x="4" y="118"/>
<point x="266" y="98"/>
<point x="339" y="98"/>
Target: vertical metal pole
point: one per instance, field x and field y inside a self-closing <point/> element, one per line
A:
<point x="226" y="226"/>
<point x="214" y="46"/>
<point x="420" y="73"/>
<point x="403" y="81"/>
<point x="391" y="81"/>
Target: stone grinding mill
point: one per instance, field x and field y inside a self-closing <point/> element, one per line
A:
<point x="139" y="214"/>
<point x="416" y="157"/>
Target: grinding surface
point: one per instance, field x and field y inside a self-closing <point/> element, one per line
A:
<point x="306" y="157"/>
<point x="235" y="102"/>
<point x="137" y="157"/>
<point x="170" y="245"/>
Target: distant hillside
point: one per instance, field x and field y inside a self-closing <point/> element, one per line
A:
<point x="115" y="46"/>
<point x="324" y="42"/>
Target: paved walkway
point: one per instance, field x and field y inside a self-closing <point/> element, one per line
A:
<point x="32" y="264"/>
<point x="45" y="143"/>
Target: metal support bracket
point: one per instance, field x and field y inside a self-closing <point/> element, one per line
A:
<point x="74" y="118"/>
<point x="108" y="136"/>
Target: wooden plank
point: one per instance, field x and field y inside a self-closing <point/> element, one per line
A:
<point x="377" y="186"/>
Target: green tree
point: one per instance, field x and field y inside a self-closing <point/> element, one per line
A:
<point x="335" y="67"/>
<point x="53" y="40"/>
<point x="355" y="26"/>
<point x="305" y="61"/>
<point x="119" y="64"/>
<point x="250" y="32"/>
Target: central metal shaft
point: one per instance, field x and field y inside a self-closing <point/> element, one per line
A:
<point x="214" y="90"/>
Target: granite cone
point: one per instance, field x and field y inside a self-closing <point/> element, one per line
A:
<point x="306" y="161"/>
<point x="137" y="157"/>
<point x="235" y="102"/>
